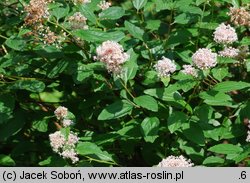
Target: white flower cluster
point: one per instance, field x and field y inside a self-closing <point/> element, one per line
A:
<point x="112" y="54"/>
<point x="248" y="132"/>
<point x="165" y="67"/>
<point x="104" y="5"/>
<point x="61" y="112"/>
<point x="65" y="147"/>
<point x="229" y="52"/>
<point x="239" y="16"/>
<point x="78" y="21"/>
<point x="81" y="1"/>
<point x="189" y="70"/>
<point x="61" y="143"/>
<point x="225" y="34"/>
<point x="204" y="58"/>
<point x="175" y="161"/>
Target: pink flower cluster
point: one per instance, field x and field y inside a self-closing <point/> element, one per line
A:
<point x="248" y="132"/>
<point x="61" y="112"/>
<point x="204" y="58"/>
<point x="61" y="143"/>
<point x="112" y="54"/>
<point x="225" y="34"/>
<point x="229" y="52"/>
<point x="78" y="21"/>
<point x="65" y="147"/>
<point x="189" y="70"/>
<point x="104" y="5"/>
<point x="175" y="161"/>
<point x="165" y="67"/>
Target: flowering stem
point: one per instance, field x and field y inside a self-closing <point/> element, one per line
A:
<point x="4" y="49"/>
<point x="212" y="78"/>
<point x="3" y="37"/>
<point x="58" y="25"/>
<point x="127" y="90"/>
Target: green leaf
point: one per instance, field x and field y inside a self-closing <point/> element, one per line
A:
<point x="30" y="85"/>
<point x="226" y="60"/>
<point x="13" y="126"/>
<point x="150" y="127"/>
<point x="60" y="12"/>
<point x="204" y="112"/>
<point x="112" y="13"/>
<point x="199" y="2"/>
<point x="228" y="86"/>
<point x="130" y="67"/>
<point x="164" y="5"/>
<point x="139" y="4"/>
<point x="7" y="104"/>
<point x="176" y="120"/>
<point x="213" y="160"/>
<point x="153" y="24"/>
<point x="98" y="36"/>
<point x="41" y="125"/>
<point x="220" y="73"/>
<point x="15" y="43"/>
<point x="88" y="13"/>
<point x="195" y="134"/>
<point x="88" y="148"/>
<point x="58" y="68"/>
<point x="167" y="94"/>
<point x="116" y="110"/>
<point x="134" y="30"/>
<point x="226" y="149"/>
<point x="183" y="18"/>
<point x="216" y="98"/>
<point x="147" y="102"/>
<point x="6" y="160"/>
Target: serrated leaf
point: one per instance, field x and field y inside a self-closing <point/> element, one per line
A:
<point x="226" y="149"/>
<point x="30" y="85"/>
<point x="228" y="86"/>
<point x="134" y="30"/>
<point x="41" y="125"/>
<point x="60" y="12"/>
<point x="98" y="36"/>
<point x="139" y="4"/>
<point x="147" y="102"/>
<point x="7" y="103"/>
<point x="216" y="98"/>
<point x="88" y="148"/>
<point x="220" y="73"/>
<point x="13" y="126"/>
<point x="175" y="121"/>
<point x="116" y="110"/>
<point x="112" y="13"/>
<point x="150" y="127"/>
<point x="129" y="69"/>
<point x="6" y="160"/>
<point x="15" y="43"/>
<point x="212" y="160"/>
<point x="195" y="133"/>
<point x="88" y="13"/>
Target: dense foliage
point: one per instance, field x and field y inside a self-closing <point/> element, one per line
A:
<point x="137" y="110"/>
